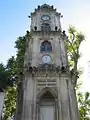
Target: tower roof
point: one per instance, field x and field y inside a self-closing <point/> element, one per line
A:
<point x="44" y="7"/>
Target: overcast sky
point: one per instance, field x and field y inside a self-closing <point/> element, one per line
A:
<point x="14" y="22"/>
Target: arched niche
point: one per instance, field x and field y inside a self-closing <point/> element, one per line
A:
<point x="47" y="104"/>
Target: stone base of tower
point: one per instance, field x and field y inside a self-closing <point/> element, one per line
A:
<point x="48" y="98"/>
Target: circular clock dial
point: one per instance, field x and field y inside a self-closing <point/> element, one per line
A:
<point x="46" y="59"/>
<point x="45" y="17"/>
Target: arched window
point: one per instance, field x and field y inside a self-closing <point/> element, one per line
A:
<point x="46" y="47"/>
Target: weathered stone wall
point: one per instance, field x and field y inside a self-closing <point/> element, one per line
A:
<point x="63" y="88"/>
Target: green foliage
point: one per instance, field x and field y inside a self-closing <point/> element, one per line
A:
<point x="5" y="78"/>
<point x="8" y="83"/>
<point x="13" y="68"/>
<point x="10" y="102"/>
<point x="20" y="45"/>
<point x="73" y="44"/>
<point x="11" y="65"/>
<point x="84" y="105"/>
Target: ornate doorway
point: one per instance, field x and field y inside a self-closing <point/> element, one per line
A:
<point x="47" y="107"/>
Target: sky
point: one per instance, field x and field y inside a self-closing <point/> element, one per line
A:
<point x="14" y="22"/>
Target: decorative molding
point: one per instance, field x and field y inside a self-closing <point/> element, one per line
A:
<point x="45" y="70"/>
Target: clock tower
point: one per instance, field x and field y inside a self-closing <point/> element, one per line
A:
<point x="48" y="91"/>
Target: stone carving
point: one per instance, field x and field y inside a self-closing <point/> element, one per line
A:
<point x="51" y="68"/>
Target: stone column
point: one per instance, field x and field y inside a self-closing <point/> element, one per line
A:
<point x="65" y="109"/>
<point x="28" y="98"/>
<point x="19" y="99"/>
<point x="73" y="102"/>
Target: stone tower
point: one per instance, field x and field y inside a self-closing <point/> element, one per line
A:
<point x="48" y="92"/>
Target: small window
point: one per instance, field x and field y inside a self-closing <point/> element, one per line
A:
<point x="45" y="27"/>
<point x="46" y="47"/>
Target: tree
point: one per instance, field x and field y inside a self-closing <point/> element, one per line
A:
<point x="21" y="46"/>
<point x="5" y="78"/>
<point x="10" y="102"/>
<point x="10" y="98"/>
<point x="14" y="67"/>
<point x="84" y="105"/>
<point x="73" y="44"/>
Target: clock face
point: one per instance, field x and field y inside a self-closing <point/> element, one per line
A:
<point x="45" y="17"/>
<point x="46" y="59"/>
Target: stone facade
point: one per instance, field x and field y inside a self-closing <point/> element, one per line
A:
<point x="47" y="85"/>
